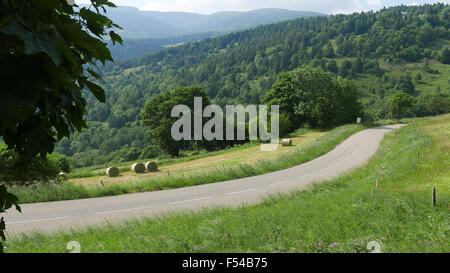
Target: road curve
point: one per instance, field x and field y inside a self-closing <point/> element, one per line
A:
<point x="60" y="215"/>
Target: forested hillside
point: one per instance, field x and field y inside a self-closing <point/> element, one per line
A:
<point x="134" y="48"/>
<point x="404" y="48"/>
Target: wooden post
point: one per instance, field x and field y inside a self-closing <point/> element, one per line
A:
<point x="433" y="197"/>
<point x="378" y="182"/>
<point x="168" y="173"/>
<point x="391" y="174"/>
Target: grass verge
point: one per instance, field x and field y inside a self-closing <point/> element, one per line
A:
<point x="71" y="191"/>
<point x="341" y="215"/>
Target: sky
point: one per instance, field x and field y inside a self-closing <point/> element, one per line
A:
<point x="211" y="6"/>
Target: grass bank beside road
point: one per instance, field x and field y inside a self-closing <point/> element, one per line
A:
<point x="341" y="215"/>
<point x="221" y="172"/>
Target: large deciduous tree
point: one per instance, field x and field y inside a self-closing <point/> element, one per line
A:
<point x="157" y="117"/>
<point x="400" y="101"/>
<point x="308" y="95"/>
<point x="48" y="49"/>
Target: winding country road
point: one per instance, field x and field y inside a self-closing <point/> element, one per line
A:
<point x="51" y="216"/>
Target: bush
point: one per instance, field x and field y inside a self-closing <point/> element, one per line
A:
<point x="15" y="168"/>
<point x="151" y="151"/>
<point x="285" y="125"/>
<point x="131" y="155"/>
<point x="427" y="68"/>
<point x="60" y="161"/>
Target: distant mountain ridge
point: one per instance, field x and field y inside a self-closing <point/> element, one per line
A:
<point x="139" y="24"/>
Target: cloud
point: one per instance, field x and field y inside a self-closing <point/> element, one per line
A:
<point x="374" y="2"/>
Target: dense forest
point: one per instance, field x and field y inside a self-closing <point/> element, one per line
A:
<point x="375" y="49"/>
<point x="133" y="48"/>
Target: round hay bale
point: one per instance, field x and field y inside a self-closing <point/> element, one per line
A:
<point x="62" y="175"/>
<point x="138" y="168"/>
<point x="286" y="142"/>
<point x="151" y="166"/>
<point x="112" y="172"/>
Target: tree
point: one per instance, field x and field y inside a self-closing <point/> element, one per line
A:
<point x="358" y="65"/>
<point x="405" y="84"/>
<point x="157" y="117"/>
<point x="400" y="101"/>
<point x="418" y="77"/>
<point x="45" y="49"/>
<point x="311" y="96"/>
<point x="332" y="66"/>
<point x="283" y="93"/>
<point x="445" y="56"/>
<point x="348" y="98"/>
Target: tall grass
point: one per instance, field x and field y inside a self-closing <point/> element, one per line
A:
<point x="70" y="191"/>
<point x="341" y="215"/>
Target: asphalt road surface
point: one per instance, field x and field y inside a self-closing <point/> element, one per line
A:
<point x="62" y="215"/>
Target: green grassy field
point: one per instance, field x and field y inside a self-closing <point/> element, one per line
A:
<point x="341" y="215"/>
<point x="70" y="191"/>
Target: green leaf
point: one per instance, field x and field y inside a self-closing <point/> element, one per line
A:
<point x="115" y="38"/>
<point x="94" y="74"/>
<point x="98" y="91"/>
<point x="5" y="20"/>
<point x="34" y="42"/>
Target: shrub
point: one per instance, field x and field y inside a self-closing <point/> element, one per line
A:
<point x="151" y="151"/>
<point x="15" y="168"/>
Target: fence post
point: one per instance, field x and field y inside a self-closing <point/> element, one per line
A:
<point x="378" y="182"/>
<point x="433" y="197"/>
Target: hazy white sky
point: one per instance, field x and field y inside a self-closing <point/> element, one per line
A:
<point x="211" y="6"/>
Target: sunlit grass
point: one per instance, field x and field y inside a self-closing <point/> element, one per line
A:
<point x="341" y="215"/>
